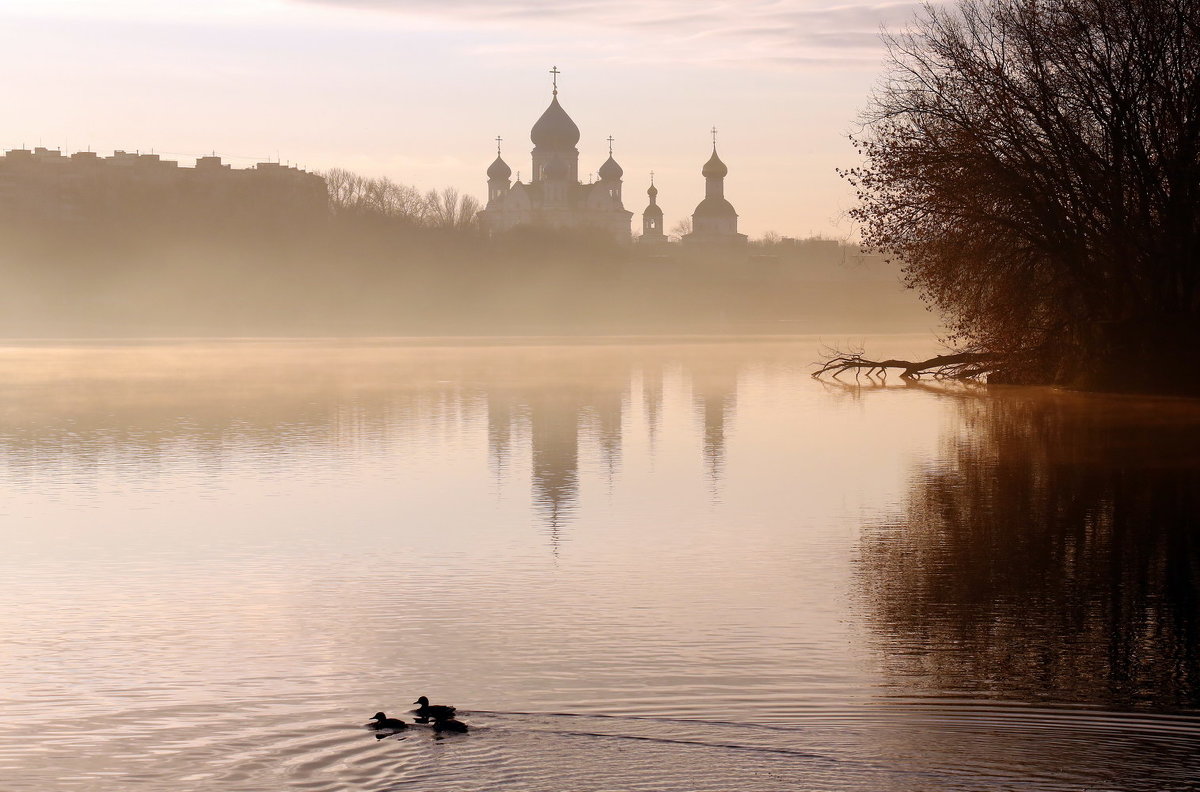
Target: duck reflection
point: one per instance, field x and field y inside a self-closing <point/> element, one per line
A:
<point x="1051" y="552"/>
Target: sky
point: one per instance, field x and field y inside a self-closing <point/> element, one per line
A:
<point x="418" y="90"/>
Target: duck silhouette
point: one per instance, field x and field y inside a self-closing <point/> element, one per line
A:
<point x="382" y="721"/>
<point x="448" y="724"/>
<point x="436" y="711"/>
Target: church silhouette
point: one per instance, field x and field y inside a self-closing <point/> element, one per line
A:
<point x="554" y="197"/>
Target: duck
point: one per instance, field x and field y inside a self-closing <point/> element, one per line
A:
<point x="382" y="721"/>
<point x="449" y="724"/>
<point x="436" y="711"/>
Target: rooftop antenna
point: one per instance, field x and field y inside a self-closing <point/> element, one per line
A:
<point x="554" y="75"/>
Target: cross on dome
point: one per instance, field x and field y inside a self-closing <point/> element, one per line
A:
<point x="554" y="72"/>
<point x="714" y="135"/>
<point x="498" y="139"/>
<point x="610" y="142"/>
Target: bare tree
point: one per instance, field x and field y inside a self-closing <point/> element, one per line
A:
<point x="1035" y="165"/>
<point x="345" y="189"/>
<point x="447" y="209"/>
<point x="683" y="227"/>
<point x="351" y="193"/>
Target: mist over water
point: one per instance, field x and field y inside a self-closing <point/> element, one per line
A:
<point x="633" y="565"/>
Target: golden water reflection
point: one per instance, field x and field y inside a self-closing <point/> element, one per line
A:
<point x="1051" y="551"/>
<point x="90" y="405"/>
<point x="693" y="539"/>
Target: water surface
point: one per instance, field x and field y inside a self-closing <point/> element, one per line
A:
<point x="636" y="565"/>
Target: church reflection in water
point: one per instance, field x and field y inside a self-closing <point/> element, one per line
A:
<point x="93" y="407"/>
<point x="557" y="402"/>
<point x="714" y="392"/>
<point x="1052" y="552"/>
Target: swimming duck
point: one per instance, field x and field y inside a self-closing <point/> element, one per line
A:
<point x="448" y="724"/>
<point x="382" y="721"/>
<point x="435" y="711"/>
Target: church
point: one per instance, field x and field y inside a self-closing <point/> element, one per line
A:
<point x="715" y="221"/>
<point x="554" y="197"/>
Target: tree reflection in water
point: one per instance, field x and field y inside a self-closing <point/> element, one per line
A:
<point x="1050" y="553"/>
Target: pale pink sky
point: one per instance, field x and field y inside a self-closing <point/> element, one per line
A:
<point x="417" y="89"/>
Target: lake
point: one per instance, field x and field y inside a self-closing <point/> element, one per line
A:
<point x="631" y="563"/>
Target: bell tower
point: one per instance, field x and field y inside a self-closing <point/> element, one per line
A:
<point x="498" y="174"/>
<point x="652" y="218"/>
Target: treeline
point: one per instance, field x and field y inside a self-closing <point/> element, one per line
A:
<point x="387" y="259"/>
<point x="356" y="196"/>
<point x="1035" y="165"/>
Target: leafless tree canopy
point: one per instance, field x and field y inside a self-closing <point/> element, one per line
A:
<point x="1035" y="164"/>
<point x="354" y="194"/>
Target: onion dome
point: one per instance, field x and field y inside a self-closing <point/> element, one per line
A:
<point x="610" y="169"/>
<point x="499" y="170"/>
<point x="713" y="206"/>
<point x="652" y="192"/>
<point x="555" y="169"/>
<point x="653" y="209"/>
<point x="714" y="168"/>
<point x="555" y="129"/>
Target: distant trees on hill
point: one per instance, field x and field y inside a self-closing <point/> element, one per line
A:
<point x="352" y="194"/>
<point x="370" y="256"/>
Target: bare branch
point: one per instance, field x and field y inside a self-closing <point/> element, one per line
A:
<point x="957" y="366"/>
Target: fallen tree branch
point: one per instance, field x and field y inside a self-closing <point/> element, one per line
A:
<point x="957" y="365"/>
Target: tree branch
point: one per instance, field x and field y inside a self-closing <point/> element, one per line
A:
<point x="958" y="365"/>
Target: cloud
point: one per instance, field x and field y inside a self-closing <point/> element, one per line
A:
<point x="749" y="31"/>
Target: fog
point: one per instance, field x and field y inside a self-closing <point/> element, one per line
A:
<point x="145" y="269"/>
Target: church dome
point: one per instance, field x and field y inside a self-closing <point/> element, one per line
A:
<point x="715" y="207"/>
<point x="499" y="170"/>
<point x="610" y="169"/>
<point x="555" y="129"/>
<point x="652" y="192"/>
<point x="714" y="167"/>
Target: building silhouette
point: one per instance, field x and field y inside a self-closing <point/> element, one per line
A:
<point x="715" y="221"/>
<point x="555" y="197"/>
<point x="46" y="184"/>
<point x="652" y="219"/>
